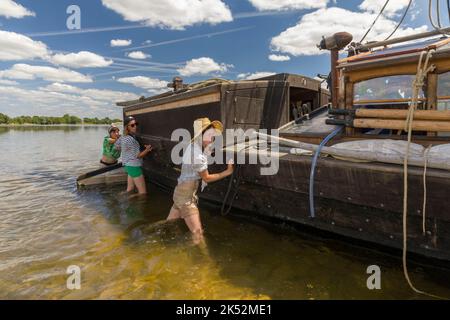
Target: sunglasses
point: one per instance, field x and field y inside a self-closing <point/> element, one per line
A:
<point x="134" y="124"/>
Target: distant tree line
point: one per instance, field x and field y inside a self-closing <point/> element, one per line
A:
<point x="43" y="120"/>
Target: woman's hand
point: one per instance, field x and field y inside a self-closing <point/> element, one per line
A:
<point x="230" y="167"/>
<point x="147" y="150"/>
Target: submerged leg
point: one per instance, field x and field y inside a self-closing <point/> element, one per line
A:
<point x="130" y="184"/>
<point x="140" y="184"/>
<point x="174" y="214"/>
<point x="195" y="225"/>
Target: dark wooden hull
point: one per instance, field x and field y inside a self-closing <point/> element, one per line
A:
<point x="362" y="201"/>
<point x="357" y="200"/>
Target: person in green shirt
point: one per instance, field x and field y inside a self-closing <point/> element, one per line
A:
<point x="110" y="154"/>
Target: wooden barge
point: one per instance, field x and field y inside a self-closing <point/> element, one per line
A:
<point x="357" y="199"/>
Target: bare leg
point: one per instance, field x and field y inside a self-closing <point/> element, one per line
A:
<point x="130" y="184"/>
<point x="174" y="214"/>
<point x="195" y="225"/>
<point x="140" y="184"/>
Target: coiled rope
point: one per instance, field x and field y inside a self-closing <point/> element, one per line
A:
<point x="423" y="69"/>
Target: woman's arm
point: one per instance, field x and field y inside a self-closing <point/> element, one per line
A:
<point x="213" y="177"/>
<point x="147" y="150"/>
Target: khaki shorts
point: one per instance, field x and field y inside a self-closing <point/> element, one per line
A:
<point x="185" y="198"/>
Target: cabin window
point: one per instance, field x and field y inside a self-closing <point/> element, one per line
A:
<point x="444" y="91"/>
<point x="393" y="89"/>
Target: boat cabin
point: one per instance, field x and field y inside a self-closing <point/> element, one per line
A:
<point x="268" y="102"/>
<point x="382" y="81"/>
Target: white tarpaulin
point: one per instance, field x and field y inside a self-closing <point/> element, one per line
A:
<point x="385" y="146"/>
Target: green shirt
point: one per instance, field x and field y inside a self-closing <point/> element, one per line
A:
<point x="109" y="149"/>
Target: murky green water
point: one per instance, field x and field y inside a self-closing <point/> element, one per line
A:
<point x="124" y="252"/>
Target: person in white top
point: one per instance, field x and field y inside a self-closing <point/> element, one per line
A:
<point x="195" y="169"/>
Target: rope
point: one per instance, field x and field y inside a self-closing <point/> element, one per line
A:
<point x="448" y="9"/>
<point x="426" y="154"/>
<point x="375" y="21"/>
<point x="423" y="69"/>
<point x="438" y="27"/>
<point x="207" y="83"/>
<point x="430" y="14"/>
<point x="401" y="20"/>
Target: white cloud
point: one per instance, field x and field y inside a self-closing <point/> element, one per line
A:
<point x="120" y="43"/>
<point x="256" y="75"/>
<point x="95" y="94"/>
<point x="10" y="9"/>
<point x="82" y="59"/>
<point x="172" y="14"/>
<point x="8" y="82"/>
<point x="297" y="41"/>
<point x="138" y="55"/>
<point x="374" y="6"/>
<point x="276" y="57"/>
<point x="15" y="46"/>
<point x="203" y="66"/>
<point x="150" y="84"/>
<point x="57" y="102"/>
<point x="29" y="72"/>
<point x="264" y="5"/>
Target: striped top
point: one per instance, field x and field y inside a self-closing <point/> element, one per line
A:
<point x="130" y="150"/>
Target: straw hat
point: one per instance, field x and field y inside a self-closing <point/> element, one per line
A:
<point x="206" y="124"/>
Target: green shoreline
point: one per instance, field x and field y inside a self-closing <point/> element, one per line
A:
<point x="54" y="125"/>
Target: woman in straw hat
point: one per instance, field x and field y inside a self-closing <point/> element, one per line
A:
<point x="195" y="169"/>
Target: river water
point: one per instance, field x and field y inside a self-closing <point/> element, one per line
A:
<point x="124" y="251"/>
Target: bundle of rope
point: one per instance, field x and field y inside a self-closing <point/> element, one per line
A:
<point x="207" y="83"/>
<point x="423" y="69"/>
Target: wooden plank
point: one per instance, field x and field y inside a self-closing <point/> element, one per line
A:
<point x="385" y="101"/>
<point x="198" y="100"/>
<point x="175" y="97"/>
<point x="418" y="125"/>
<point x="391" y="70"/>
<point x="432" y="99"/>
<point x="443" y="115"/>
<point x="349" y="92"/>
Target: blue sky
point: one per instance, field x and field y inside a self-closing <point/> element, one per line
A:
<point x="46" y="69"/>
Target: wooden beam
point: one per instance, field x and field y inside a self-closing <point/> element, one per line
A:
<point x="432" y="99"/>
<point x="349" y="90"/>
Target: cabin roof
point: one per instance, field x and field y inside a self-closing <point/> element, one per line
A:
<point x="397" y="54"/>
<point x="294" y="80"/>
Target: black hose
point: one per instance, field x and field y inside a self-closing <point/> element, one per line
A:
<point x="236" y="180"/>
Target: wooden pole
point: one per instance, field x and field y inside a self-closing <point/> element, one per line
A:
<point x="405" y="38"/>
<point x="418" y="125"/>
<point x="334" y="77"/>
<point x="402" y="114"/>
